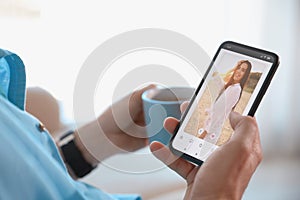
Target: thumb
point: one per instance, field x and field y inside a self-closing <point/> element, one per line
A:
<point x="245" y="127"/>
<point x="235" y="118"/>
<point x="148" y="87"/>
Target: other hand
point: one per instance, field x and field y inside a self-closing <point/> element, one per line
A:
<point x="227" y="172"/>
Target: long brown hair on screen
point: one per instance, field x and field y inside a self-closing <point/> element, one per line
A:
<point x="245" y="77"/>
<point x="242" y="82"/>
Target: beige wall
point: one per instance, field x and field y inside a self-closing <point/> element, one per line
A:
<point x="19" y="8"/>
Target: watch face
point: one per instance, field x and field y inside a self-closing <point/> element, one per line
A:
<point x="74" y="159"/>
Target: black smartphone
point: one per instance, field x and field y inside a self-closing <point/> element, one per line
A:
<point x="236" y="79"/>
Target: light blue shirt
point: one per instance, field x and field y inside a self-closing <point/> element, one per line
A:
<point x="30" y="164"/>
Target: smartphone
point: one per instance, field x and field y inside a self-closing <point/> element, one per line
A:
<point x="236" y="79"/>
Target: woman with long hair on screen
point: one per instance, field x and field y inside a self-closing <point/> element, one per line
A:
<point x="225" y="101"/>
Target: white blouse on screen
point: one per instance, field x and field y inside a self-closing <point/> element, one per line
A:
<point x="219" y="112"/>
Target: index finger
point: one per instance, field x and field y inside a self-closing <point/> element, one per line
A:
<point x="184" y="168"/>
<point x="184" y="106"/>
<point x="170" y="124"/>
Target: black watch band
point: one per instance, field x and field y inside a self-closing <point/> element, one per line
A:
<point x="74" y="158"/>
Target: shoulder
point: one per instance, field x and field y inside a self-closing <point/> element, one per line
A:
<point x="235" y="87"/>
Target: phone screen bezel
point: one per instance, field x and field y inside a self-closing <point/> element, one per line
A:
<point x="242" y="49"/>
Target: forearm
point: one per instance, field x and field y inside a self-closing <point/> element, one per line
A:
<point x="93" y="143"/>
<point x="119" y="129"/>
<point x="115" y="132"/>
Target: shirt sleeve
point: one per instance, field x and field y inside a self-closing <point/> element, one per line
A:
<point x="31" y="166"/>
<point x="232" y="95"/>
<point x="127" y="196"/>
<point x="215" y="85"/>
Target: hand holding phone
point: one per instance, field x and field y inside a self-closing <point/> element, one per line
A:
<point x="225" y="175"/>
<point x="236" y="80"/>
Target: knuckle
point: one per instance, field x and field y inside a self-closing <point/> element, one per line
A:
<point x="259" y="157"/>
<point x="247" y="152"/>
<point x="258" y="153"/>
<point x="245" y="149"/>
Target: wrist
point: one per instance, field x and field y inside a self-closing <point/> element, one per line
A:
<point x="93" y="143"/>
<point x="75" y="159"/>
<point x="84" y="151"/>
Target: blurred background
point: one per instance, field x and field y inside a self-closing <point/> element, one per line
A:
<point x="55" y="37"/>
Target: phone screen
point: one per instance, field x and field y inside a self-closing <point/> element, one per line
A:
<point x="236" y="80"/>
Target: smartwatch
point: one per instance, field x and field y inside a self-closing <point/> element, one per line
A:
<point x="73" y="156"/>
